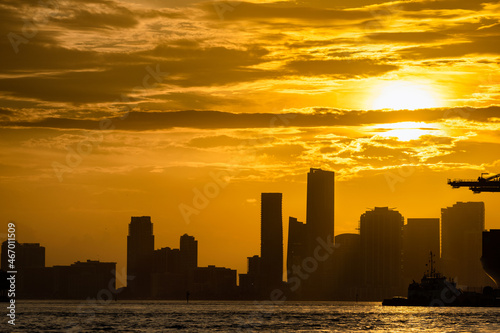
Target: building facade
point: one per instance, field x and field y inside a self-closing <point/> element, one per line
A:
<point x="461" y="244"/>
<point x="320" y="209"/>
<point x="271" y="250"/>
<point x="140" y="249"/>
<point x="381" y="252"/>
<point x="420" y="237"/>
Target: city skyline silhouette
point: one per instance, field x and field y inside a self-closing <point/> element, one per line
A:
<point x="374" y="264"/>
<point x="266" y="165"/>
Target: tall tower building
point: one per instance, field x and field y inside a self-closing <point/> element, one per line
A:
<point x="320" y="227"/>
<point x="381" y="244"/>
<point x="140" y="249"/>
<point x="420" y="237"/>
<point x="461" y="235"/>
<point x="320" y="205"/>
<point x="189" y="252"/>
<point x="271" y="241"/>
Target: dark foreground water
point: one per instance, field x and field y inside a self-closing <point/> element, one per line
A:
<point x="207" y="316"/>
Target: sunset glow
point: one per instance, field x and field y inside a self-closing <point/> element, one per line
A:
<point x="399" y="95"/>
<point x="118" y="108"/>
<point x="407" y="131"/>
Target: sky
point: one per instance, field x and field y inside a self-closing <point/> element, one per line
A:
<point x="186" y="111"/>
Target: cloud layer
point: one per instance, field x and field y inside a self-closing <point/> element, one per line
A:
<point x="114" y="108"/>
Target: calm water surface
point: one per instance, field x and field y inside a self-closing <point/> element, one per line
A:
<point x="207" y="316"/>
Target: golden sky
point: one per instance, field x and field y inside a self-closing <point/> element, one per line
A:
<point x="110" y="109"/>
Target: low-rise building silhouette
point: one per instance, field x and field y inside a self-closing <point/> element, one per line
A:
<point x="29" y="262"/>
<point x="213" y="283"/>
<point x="168" y="279"/>
<point x="27" y="255"/>
<point x="89" y="279"/>
<point x="250" y="282"/>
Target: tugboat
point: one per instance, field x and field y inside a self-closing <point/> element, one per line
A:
<point x="435" y="289"/>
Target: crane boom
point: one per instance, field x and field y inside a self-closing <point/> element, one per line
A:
<point x="493" y="177"/>
<point x="489" y="184"/>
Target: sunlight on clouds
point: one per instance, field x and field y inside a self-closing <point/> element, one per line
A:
<point x="406" y="131"/>
<point x="399" y="95"/>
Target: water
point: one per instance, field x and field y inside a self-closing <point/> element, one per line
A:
<point x="219" y="316"/>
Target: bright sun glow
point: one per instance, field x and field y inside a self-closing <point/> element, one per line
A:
<point x="406" y="131"/>
<point x="398" y="95"/>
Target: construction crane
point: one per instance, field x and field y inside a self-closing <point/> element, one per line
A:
<point x="490" y="259"/>
<point x="482" y="184"/>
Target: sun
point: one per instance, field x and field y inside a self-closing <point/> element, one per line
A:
<point x="399" y="95"/>
<point x="406" y="131"/>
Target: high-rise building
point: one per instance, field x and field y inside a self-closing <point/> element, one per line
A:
<point x="189" y="252"/>
<point x="320" y="228"/>
<point x="381" y="244"/>
<point x="420" y="237"/>
<point x="140" y="249"/>
<point x="491" y="255"/>
<point x="461" y="236"/>
<point x="297" y="242"/>
<point x="320" y="205"/>
<point x="347" y="266"/>
<point x="271" y="246"/>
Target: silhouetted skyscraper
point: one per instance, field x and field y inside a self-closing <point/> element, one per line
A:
<point x="189" y="252"/>
<point x="491" y="255"/>
<point x="420" y="237"/>
<point x="271" y="246"/>
<point x="381" y="244"/>
<point x="347" y="264"/>
<point x="140" y="249"/>
<point x="320" y="205"/>
<point x="297" y="242"/>
<point x="320" y="225"/>
<point x="461" y="235"/>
